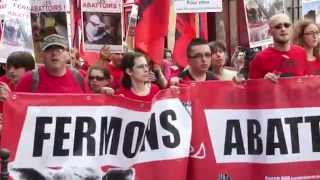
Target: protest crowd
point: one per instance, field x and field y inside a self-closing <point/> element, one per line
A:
<point x="135" y="76"/>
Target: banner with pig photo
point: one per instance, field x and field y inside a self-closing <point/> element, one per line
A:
<point x="102" y="25"/>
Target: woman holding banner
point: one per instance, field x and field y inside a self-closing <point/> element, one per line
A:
<point x="99" y="80"/>
<point x="136" y="81"/>
<point x="306" y="34"/>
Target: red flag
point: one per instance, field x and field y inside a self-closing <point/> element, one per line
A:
<point x="185" y="32"/>
<point x="152" y="27"/>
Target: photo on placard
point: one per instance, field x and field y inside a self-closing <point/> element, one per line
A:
<point x="258" y="13"/>
<point x="44" y="24"/>
<point x="100" y="28"/>
<point x="15" y="33"/>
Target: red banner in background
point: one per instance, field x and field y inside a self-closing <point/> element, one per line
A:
<point x="259" y="130"/>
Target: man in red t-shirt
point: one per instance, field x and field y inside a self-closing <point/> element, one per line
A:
<point x="54" y="76"/>
<point x="281" y="60"/>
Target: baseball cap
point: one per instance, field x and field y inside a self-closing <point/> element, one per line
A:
<point x="54" y="40"/>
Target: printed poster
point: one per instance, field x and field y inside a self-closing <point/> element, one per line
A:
<point x="197" y="6"/>
<point x="102" y="25"/>
<point x="49" y="17"/>
<point x="258" y="13"/>
<point x="311" y="10"/>
<point x="16" y="33"/>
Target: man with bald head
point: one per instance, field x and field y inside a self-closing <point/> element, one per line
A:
<point x="283" y="59"/>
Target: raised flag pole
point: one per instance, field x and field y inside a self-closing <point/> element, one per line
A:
<point x="171" y="26"/>
<point x="197" y="22"/>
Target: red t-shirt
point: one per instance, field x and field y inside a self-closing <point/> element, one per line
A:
<point x="313" y="67"/>
<point x="289" y="63"/>
<point x="50" y="84"/>
<point x="129" y="94"/>
<point x="6" y="80"/>
<point x="116" y="74"/>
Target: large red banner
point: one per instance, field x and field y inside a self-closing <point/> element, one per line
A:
<point x="212" y="130"/>
<point x="259" y="130"/>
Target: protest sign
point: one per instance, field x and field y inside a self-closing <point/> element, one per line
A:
<point x="16" y="33"/>
<point x="259" y="130"/>
<point x="49" y="17"/>
<point x="258" y="13"/>
<point x="102" y="25"/>
<point x="196" y="6"/>
<point x="311" y="10"/>
<point x="53" y="132"/>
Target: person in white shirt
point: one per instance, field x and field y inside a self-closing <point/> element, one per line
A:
<point x="218" y="58"/>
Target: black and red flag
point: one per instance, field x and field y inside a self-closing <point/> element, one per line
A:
<point x="185" y="32"/>
<point x="152" y="27"/>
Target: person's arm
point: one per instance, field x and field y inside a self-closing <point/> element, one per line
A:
<point x="160" y="78"/>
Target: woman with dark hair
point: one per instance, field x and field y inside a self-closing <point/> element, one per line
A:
<point x="306" y="34"/>
<point x="99" y="80"/>
<point x="136" y="81"/>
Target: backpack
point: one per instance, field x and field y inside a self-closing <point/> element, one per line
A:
<point x="35" y="79"/>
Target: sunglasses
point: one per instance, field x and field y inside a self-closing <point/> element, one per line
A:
<point x="98" y="78"/>
<point x="281" y="25"/>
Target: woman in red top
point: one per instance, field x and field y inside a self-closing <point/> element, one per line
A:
<point x="306" y="34"/>
<point x="136" y="81"/>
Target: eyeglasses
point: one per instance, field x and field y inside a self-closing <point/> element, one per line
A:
<point x="311" y="33"/>
<point x="281" y="25"/>
<point x="98" y="78"/>
<point x="142" y="66"/>
<point x="200" y="55"/>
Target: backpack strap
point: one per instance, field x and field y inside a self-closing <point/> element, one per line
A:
<point x="35" y="79"/>
<point x="76" y="74"/>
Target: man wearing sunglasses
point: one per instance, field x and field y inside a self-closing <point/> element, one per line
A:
<point x="199" y="61"/>
<point x="282" y="59"/>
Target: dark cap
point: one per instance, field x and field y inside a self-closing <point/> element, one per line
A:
<point x="54" y="40"/>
